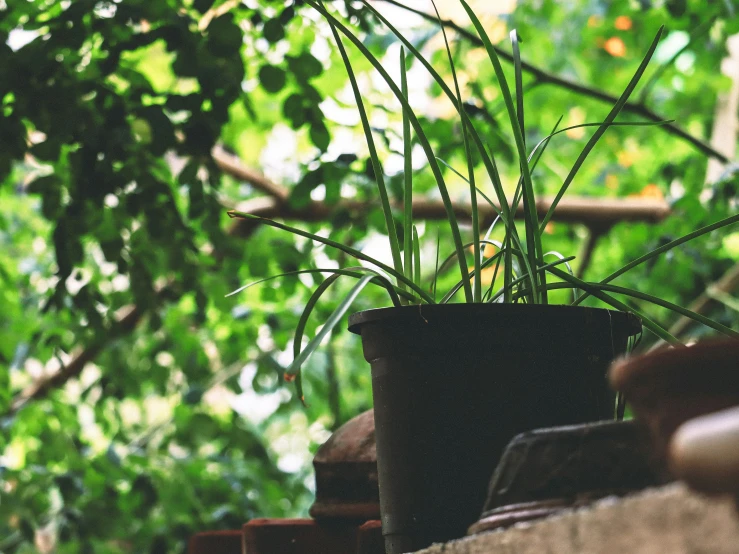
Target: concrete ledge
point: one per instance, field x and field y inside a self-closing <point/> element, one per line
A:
<point x="666" y="520"/>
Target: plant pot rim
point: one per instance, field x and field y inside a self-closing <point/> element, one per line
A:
<point x="419" y="312"/>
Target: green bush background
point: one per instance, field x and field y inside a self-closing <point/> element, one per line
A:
<point x="109" y="199"/>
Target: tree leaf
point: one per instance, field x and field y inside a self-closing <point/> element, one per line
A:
<point x="272" y="78"/>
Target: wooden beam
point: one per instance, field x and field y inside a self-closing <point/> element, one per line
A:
<point x="595" y="213"/>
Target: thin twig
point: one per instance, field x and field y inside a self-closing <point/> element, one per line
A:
<point x="220" y="378"/>
<point x="698" y="32"/>
<point x="726" y="284"/>
<point x="334" y="392"/>
<point x="586" y="257"/>
<point x="548" y="78"/>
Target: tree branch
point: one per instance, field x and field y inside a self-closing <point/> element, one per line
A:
<point x="232" y="165"/>
<point x="123" y="326"/>
<point x="544" y="77"/>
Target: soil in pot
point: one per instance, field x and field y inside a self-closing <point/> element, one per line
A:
<point x="452" y="384"/>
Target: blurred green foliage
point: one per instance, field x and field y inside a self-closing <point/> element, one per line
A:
<point x="109" y="198"/>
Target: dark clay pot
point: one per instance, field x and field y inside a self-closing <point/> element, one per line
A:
<point x="453" y="384"/>
<point x="548" y="470"/>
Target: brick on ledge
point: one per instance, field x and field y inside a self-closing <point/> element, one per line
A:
<point x="308" y="536"/>
<point x="216" y="542"/>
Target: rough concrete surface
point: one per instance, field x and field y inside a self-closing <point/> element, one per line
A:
<point x="668" y="520"/>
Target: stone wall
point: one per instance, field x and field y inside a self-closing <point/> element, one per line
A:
<point x="669" y="520"/>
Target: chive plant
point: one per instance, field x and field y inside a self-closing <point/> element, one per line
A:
<point x="521" y="250"/>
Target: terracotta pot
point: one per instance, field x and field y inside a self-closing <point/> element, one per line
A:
<point x="346" y="473"/>
<point x="668" y="387"/>
<point x="704" y="452"/>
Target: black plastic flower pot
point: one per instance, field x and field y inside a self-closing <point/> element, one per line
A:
<point x="453" y="384"/>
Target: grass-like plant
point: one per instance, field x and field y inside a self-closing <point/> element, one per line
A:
<point x="520" y="256"/>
